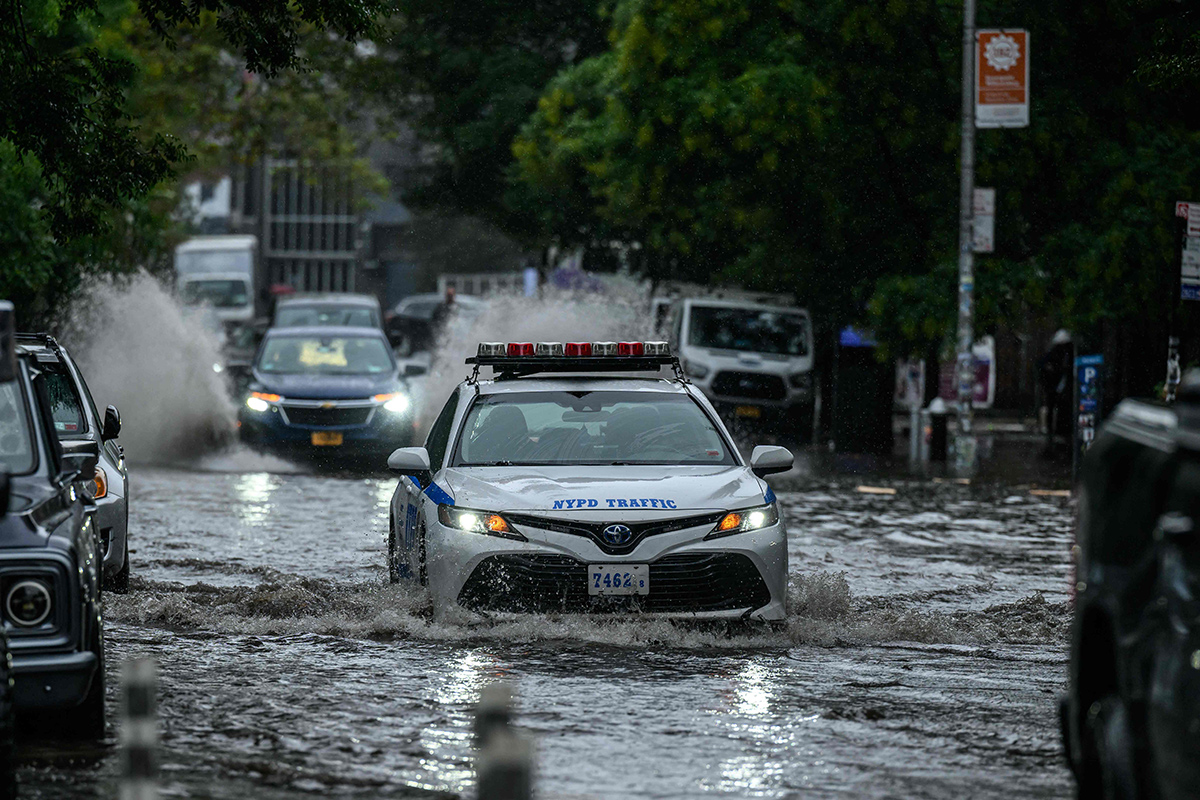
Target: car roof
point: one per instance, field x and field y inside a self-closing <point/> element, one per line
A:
<point x="339" y="298"/>
<point x="583" y="383"/>
<point x="327" y="331"/>
<point x="692" y="302"/>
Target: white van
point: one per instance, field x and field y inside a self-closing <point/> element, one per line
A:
<point x="754" y="361"/>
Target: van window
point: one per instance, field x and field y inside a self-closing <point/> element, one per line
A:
<point x="65" y="405"/>
<point x="749" y="330"/>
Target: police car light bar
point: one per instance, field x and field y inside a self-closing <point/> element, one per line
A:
<point x="525" y="358"/>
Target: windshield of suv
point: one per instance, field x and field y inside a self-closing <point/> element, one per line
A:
<point x="749" y="329"/>
<point x="16" y="445"/>
<point x="303" y="316"/>
<point x="335" y="355"/>
<point x="589" y="428"/>
<point x="64" y="404"/>
<point x="218" y="294"/>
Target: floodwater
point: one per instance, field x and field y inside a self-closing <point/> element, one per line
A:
<point x="923" y="658"/>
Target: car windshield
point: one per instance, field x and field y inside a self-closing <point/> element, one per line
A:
<point x="749" y="329"/>
<point x="16" y="444"/>
<point x="65" y="405"/>
<point x="331" y="314"/>
<point x="589" y="428"/>
<point x="216" y="293"/>
<point x="332" y="355"/>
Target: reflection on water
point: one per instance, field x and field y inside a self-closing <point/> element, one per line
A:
<point x="253" y="493"/>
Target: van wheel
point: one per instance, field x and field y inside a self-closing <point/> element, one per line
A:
<point x="1112" y="744"/>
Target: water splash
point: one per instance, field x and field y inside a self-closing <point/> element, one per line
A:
<point x="145" y="353"/>
<point x="620" y="313"/>
<point x="822" y="611"/>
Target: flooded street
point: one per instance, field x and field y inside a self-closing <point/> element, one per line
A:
<point x="923" y="657"/>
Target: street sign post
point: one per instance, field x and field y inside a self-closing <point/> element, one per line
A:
<point x="1002" y="79"/>
<point x="1089" y="388"/>
<point x="985" y="220"/>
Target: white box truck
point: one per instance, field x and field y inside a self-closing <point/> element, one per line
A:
<point x="218" y="272"/>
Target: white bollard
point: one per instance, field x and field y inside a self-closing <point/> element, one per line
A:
<point x="504" y="765"/>
<point x="139" y="730"/>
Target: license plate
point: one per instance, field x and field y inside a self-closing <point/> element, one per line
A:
<point x="618" y="579"/>
<point x="327" y="438"/>
<point x="752" y="412"/>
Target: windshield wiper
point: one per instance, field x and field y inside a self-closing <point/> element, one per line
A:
<point x="495" y="464"/>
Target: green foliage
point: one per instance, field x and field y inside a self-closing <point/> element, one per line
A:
<point x="465" y="77"/>
<point x="811" y="145"/>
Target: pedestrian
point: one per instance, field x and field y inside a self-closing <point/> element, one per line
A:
<point x="1054" y="370"/>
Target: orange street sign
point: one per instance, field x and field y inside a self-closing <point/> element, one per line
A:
<point x="1002" y="79"/>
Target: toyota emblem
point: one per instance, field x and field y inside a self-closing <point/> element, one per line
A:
<point x="617" y="534"/>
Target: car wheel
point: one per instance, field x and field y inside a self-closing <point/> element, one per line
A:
<point x="8" y="777"/>
<point x="1113" y="746"/>
<point x="119" y="583"/>
<point x="393" y="558"/>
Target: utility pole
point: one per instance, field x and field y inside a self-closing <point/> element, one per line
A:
<point x="964" y="444"/>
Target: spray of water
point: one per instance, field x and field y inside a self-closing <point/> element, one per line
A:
<point x="141" y="351"/>
<point x="618" y="313"/>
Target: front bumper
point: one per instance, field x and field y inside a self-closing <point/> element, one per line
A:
<point x="112" y="522"/>
<point x="381" y="432"/>
<point x="743" y="576"/>
<point x="52" y="681"/>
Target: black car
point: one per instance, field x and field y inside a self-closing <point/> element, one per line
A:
<point x="328" y="394"/>
<point x="1131" y="719"/>
<point x="49" y="554"/>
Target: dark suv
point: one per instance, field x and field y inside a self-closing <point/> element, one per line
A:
<point x="1131" y="719"/>
<point x="49" y="556"/>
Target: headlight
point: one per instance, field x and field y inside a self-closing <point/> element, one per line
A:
<point x="488" y="522"/>
<point x="694" y="370"/>
<point x="396" y="402"/>
<point x="749" y="519"/>
<point x="99" y="484"/>
<point x="28" y="603"/>
<point x="801" y="380"/>
<point x="261" y="401"/>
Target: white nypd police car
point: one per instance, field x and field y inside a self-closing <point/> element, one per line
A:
<point x="568" y="484"/>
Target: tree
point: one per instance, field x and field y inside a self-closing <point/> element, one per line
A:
<point x="465" y="77"/>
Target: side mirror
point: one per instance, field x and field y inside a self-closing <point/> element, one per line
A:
<point x="112" y="423"/>
<point x="769" y="459"/>
<point x="409" y="461"/>
<point x="413" y="370"/>
<point x="4" y="493"/>
<point x="80" y="457"/>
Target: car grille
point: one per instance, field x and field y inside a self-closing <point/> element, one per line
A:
<point x="681" y="583"/>
<point x="316" y="416"/>
<point x="594" y="530"/>
<point x="753" y="385"/>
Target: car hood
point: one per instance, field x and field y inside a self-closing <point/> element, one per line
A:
<point x="615" y="493"/>
<point x="326" y="387"/>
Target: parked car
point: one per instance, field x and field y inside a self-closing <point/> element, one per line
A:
<point x="49" y="553"/>
<point x="79" y="424"/>
<point x="1133" y="701"/>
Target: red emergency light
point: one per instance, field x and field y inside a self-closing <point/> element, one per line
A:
<point x="578" y="348"/>
<point x="630" y="348"/>
<point x="520" y="348"/>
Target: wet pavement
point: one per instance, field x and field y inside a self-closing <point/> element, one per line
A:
<point x="923" y="657"/>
